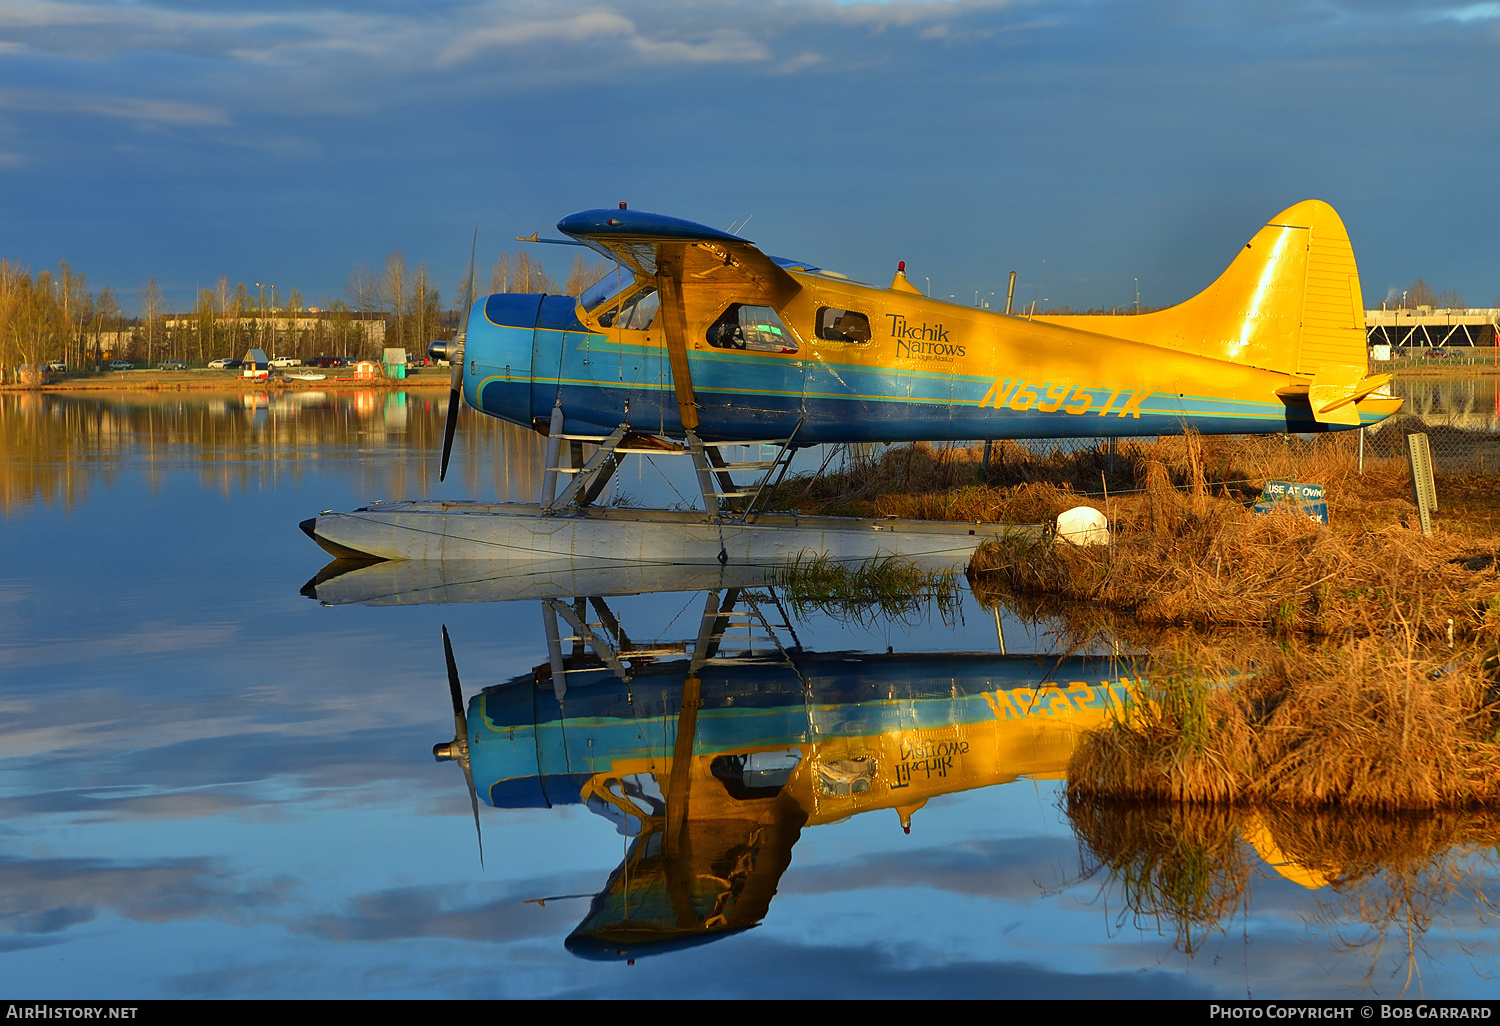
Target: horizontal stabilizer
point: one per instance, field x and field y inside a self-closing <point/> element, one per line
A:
<point x="1334" y="391"/>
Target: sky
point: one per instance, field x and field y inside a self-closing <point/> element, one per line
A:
<point x="1084" y="144"/>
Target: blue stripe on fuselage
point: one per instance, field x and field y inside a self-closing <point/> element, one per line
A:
<point x="745" y="395"/>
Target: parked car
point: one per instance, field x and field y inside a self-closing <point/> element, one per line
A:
<point x="325" y="361"/>
<point x="225" y="363"/>
<point x="1436" y="354"/>
<point x="171" y="365"/>
<point x="285" y="361"/>
<point x="57" y="367"/>
<point x="121" y="365"/>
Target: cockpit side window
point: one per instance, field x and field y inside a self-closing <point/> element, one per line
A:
<point x="752" y="328"/>
<point x="606" y="288"/>
<point x="755" y="774"/>
<point x="637" y="314"/>
<point x="836" y="325"/>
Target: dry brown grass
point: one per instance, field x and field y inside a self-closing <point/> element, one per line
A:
<point x="926" y="482"/>
<point x="1387" y="878"/>
<point x="1364" y="724"/>
<point x="1186" y="553"/>
<point x="947" y="482"/>
<point x="1348" y="662"/>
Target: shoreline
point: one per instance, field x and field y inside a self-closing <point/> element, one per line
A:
<point x="202" y="380"/>
<point x="217" y="381"/>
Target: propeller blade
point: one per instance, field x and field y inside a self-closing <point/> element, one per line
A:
<point x="461" y="732"/>
<point x="454" y="398"/>
<point x="455" y="690"/>
<point x="474" y="804"/>
<point x="456" y="364"/>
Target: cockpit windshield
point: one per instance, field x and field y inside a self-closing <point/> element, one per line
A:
<point x="606" y="288"/>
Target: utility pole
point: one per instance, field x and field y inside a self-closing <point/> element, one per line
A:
<point x="1010" y="291"/>
<point x="260" y="334"/>
<point x="1138" y="295"/>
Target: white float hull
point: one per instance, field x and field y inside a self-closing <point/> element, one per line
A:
<point x="468" y="531"/>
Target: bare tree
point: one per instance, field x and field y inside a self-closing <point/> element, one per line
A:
<point x="424" y="308"/>
<point x="13" y="279"/>
<point x="207" y="324"/>
<point x="362" y="289"/>
<point x="35" y="326"/>
<point x="518" y="272"/>
<point x="584" y="274"/>
<point x="72" y="293"/>
<point x="106" y="313"/>
<point x="394" y="285"/>
<point x="293" y="313"/>
<point x="1421" y="294"/>
<point x="500" y="277"/>
<point x="153" y="303"/>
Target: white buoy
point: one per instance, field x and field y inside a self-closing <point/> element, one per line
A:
<point x="1083" y="525"/>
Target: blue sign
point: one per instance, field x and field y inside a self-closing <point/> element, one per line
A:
<point x="1308" y="497"/>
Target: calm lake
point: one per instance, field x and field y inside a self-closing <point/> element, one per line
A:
<point x="219" y="778"/>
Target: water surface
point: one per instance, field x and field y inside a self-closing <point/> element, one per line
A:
<point x="214" y="785"/>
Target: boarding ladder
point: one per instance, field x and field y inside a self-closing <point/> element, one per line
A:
<point x="724" y="499"/>
<point x="721" y="624"/>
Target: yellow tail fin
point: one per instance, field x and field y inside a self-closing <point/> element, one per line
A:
<point x="1290" y="302"/>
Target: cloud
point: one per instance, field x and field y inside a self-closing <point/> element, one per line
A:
<point x="717" y="46"/>
<point x="454" y="913"/>
<point x="102" y="803"/>
<point x="786" y="970"/>
<point x="1018" y="870"/>
<point x="663" y="32"/>
<point x="801" y="62"/>
<point x="150" y="638"/>
<point x="1473" y="12"/>
<point x="170" y="112"/>
<point x="46" y="896"/>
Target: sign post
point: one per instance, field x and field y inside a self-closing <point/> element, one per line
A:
<point x="1424" y="489"/>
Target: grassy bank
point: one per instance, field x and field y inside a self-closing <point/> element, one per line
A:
<point x="1383" y="880"/>
<point x="1291" y="663"/>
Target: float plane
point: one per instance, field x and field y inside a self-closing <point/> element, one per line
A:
<point x="697" y="341"/>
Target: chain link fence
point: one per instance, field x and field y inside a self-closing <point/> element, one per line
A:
<point x="1459" y="415"/>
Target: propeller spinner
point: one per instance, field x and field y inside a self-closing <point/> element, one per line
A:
<point x="457" y="750"/>
<point x="453" y="352"/>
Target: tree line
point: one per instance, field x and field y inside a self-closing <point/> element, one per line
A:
<point x="53" y="316"/>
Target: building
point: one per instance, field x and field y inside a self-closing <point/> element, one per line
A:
<point x="1428" y="328"/>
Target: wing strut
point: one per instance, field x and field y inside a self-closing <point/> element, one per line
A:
<point x="674" y="326"/>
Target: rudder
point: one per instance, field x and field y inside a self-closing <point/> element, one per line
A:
<point x="1289" y="302"/>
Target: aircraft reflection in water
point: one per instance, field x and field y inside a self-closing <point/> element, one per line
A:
<point x="716" y="764"/>
<point x="714" y="754"/>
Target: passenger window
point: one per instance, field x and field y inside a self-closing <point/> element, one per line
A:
<point x="637" y="313"/>
<point x="842" y="325"/>
<point x="754" y="328"/>
<point x="846" y="776"/>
